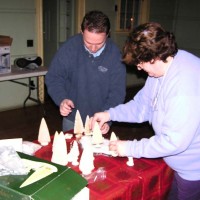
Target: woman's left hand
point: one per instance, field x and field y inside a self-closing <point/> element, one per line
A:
<point x="118" y="147"/>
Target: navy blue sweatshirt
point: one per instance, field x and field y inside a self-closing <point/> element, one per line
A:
<point x="94" y="84"/>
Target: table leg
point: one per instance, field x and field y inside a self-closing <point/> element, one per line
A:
<point x="31" y="87"/>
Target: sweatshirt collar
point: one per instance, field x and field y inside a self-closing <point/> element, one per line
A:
<point x="98" y="52"/>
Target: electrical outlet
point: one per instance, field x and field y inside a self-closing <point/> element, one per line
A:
<point x="29" y="43"/>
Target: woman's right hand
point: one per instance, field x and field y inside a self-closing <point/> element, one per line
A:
<point x="101" y="118"/>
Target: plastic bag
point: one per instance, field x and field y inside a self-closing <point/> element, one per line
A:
<point x="98" y="175"/>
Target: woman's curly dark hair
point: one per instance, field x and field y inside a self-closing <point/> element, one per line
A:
<point x="149" y="42"/>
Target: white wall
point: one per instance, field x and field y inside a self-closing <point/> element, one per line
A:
<point x="187" y="25"/>
<point x="17" y="20"/>
<point x="182" y="17"/>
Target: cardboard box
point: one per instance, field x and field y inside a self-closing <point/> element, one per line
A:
<point x="64" y="184"/>
<point x="5" y="44"/>
<point x="5" y="40"/>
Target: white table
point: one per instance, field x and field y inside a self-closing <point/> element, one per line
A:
<point x="21" y="73"/>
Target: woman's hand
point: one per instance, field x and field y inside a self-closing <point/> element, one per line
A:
<point x="118" y="147"/>
<point x="105" y="128"/>
<point x="101" y="118"/>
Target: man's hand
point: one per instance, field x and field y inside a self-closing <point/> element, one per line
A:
<point x="66" y="107"/>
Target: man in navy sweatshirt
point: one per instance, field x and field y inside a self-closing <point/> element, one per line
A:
<point x="87" y="73"/>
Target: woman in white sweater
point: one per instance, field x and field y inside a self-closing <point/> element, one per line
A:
<point x="170" y="101"/>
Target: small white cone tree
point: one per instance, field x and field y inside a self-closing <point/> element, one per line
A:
<point x="113" y="137"/>
<point x="43" y="135"/>
<point x="87" y="160"/>
<point x="87" y="128"/>
<point x="59" y="155"/>
<point x="55" y="139"/>
<point x="74" y="153"/>
<point x="97" y="137"/>
<point x="78" y="125"/>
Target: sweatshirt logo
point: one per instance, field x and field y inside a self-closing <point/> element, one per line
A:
<point x="102" y="69"/>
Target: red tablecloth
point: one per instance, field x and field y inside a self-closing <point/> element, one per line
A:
<point x="148" y="179"/>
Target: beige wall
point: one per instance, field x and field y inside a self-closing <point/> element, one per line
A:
<point x="182" y="17"/>
<point x="22" y="20"/>
<point x="18" y="20"/>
